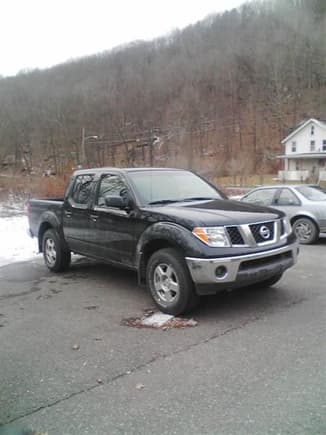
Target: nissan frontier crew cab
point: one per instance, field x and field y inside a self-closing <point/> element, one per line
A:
<point x="181" y="235"/>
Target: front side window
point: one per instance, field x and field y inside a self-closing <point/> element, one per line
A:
<point x="294" y="147"/>
<point x="261" y="197"/>
<point x="112" y="185"/>
<point x="82" y="189"/>
<point x="324" y="145"/>
<point x="312" y="131"/>
<point x="312" y="145"/>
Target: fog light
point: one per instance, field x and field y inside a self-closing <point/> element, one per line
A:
<point x="221" y="272"/>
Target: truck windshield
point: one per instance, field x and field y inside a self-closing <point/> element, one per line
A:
<point x="163" y="187"/>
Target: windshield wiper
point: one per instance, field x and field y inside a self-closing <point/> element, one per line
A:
<point x="163" y="201"/>
<point x="195" y="198"/>
<point x="199" y="198"/>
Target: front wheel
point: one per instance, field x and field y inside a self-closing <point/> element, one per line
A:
<point x="56" y="257"/>
<point x="305" y="230"/>
<point x="169" y="282"/>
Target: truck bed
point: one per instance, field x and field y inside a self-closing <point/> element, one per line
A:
<point x="37" y="209"/>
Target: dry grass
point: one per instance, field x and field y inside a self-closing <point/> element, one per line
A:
<point x="246" y="181"/>
<point x="26" y="187"/>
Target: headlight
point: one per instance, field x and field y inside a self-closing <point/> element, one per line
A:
<point x="212" y="236"/>
<point x="287" y="226"/>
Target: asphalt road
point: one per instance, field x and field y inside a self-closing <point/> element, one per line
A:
<point x="255" y="364"/>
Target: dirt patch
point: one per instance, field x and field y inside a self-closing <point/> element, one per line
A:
<point x="157" y="320"/>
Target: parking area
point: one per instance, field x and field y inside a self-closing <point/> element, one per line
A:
<point x="254" y="364"/>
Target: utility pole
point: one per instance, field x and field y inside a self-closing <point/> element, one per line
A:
<point x="82" y="146"/>
<point x="82" y="150"/>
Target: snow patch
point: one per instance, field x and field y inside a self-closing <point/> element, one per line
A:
<point x="156" y="320"/>
<point x="15" y="243"/>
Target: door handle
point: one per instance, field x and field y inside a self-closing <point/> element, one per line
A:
<point x="68" y="214"/>
<point x="94" y="217"/>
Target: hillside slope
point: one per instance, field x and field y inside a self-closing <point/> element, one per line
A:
<point x="217" y="96"/>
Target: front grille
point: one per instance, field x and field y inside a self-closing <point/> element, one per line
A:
<point x="235" y="236"/>
<point x="262" y="232"/>
<point x="282" y="227"/>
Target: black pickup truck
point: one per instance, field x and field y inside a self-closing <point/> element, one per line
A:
<point x="182" y="236"/>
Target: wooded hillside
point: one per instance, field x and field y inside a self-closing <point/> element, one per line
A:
<point x="217" y="96"/>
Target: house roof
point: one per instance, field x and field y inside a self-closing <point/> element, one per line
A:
<point x="314" y="155"/>
<point x="302" y="125"/>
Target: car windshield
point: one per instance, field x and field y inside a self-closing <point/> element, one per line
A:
<point x="312" y="193"/>
<point x="163" y="187"/>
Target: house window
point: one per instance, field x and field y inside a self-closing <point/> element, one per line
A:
<point x="312" y="131"/>
<point x="312" y="145"/>
<point x="294" y="147"/>
<point x="324" y="145"/>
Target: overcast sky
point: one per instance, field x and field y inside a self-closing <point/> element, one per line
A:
<point x="42" y="33"/>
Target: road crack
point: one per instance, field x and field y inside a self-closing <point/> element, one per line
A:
<point x="149" y="362"/>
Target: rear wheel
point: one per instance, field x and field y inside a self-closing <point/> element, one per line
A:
<point x="56" y="257"/>
<point x="169" y="282"/>
<point x="305" y="230"/>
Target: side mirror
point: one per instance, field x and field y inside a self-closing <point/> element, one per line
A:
<point x="115" y="201"/>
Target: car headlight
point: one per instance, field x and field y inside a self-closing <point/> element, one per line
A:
<point x="212" y="236"/>
<point x="287" y="226"/>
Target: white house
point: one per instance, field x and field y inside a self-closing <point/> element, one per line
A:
<point x="305" y="152"/>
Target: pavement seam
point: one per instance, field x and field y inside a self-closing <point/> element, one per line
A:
<point x="148" y="363"/>
<point x="137" y="368"/>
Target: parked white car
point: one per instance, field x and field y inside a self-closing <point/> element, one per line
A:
<point x="305" y="206"/>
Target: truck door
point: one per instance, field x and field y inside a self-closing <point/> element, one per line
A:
<point x="112" y="228"/>
<point x="76" y="214"/>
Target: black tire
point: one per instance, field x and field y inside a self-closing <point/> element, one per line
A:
<point x="56" y="257"/>
<point x="267" y="283"/>
<point x="306" y="230"/>
<point x="169" y="282"/>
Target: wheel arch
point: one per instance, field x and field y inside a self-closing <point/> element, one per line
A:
<point x="159" y="236"/>
<point x="49" y="221"/>
<point x="305" y="216"/>
<point x="148" y="250"/>
<point x="43" y="228"/>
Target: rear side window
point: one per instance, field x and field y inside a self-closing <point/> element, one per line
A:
<point x="82" y="189"/>
<point x="287" y="198"/>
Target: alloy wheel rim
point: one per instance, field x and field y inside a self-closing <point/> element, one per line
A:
<point x="166" y="284"/>
<point x="303" y="231"/>
<point x="50" y="252"/>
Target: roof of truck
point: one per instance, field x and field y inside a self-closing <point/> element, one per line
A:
<point x="122" y="170"/>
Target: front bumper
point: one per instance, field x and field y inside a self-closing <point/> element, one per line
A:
<point x="242" y="270"/>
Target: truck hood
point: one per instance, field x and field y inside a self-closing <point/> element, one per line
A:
<point x="212" y="213"/>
